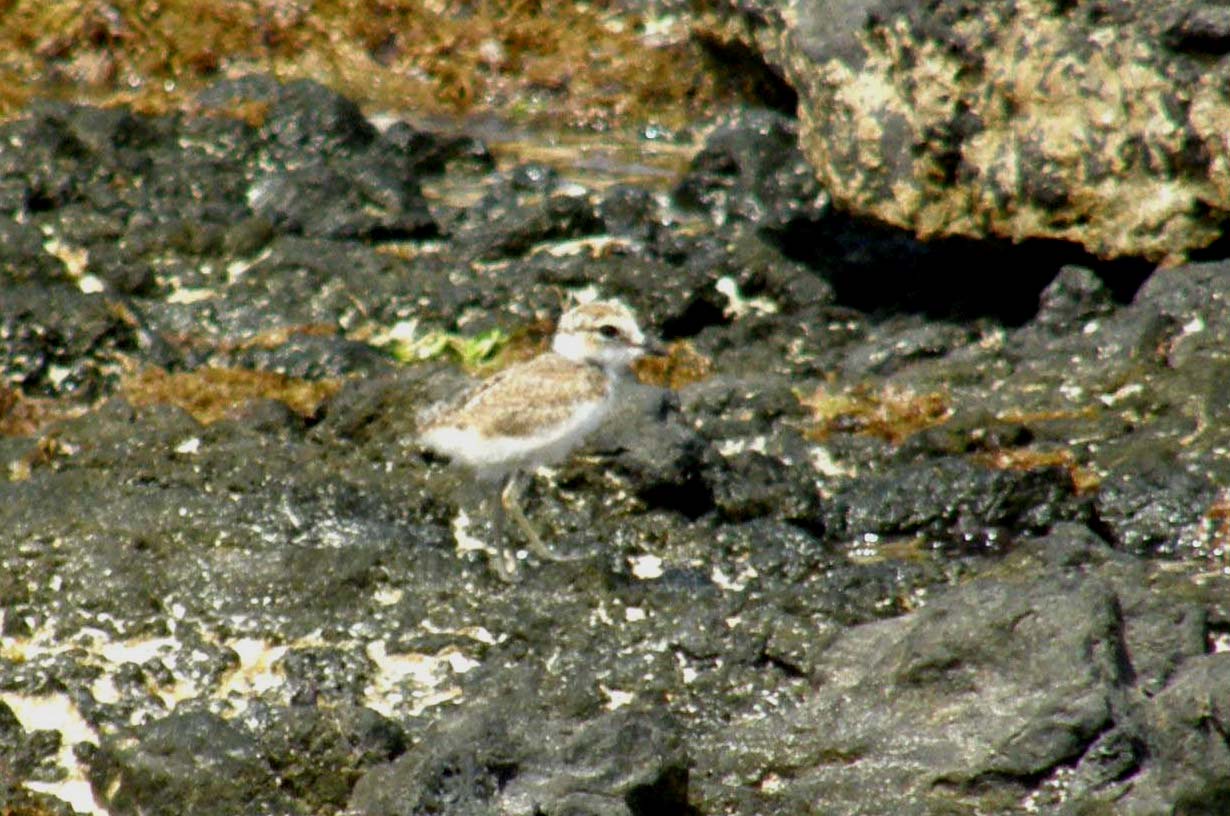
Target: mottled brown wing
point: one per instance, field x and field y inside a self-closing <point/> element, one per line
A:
<point x="521" y="400"/>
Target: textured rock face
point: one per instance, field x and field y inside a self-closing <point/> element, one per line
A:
<point x="851" y="564"/>
<point x="1043" y="661"/>
<point x="1096" y="123"/>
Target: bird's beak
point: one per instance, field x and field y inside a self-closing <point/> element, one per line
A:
<point x="654" y="348"/>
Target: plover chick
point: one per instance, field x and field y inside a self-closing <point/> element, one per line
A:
<point x="537" y="412"/>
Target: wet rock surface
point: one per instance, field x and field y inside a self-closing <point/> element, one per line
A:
<point x="845" y="563"/>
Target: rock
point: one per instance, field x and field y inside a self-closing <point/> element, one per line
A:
<point x="308" y="118"/>
<point x="141" y="200"/>
<point x="434" y="153"/>
<point x="122" y="271"/>
<point x="323" y="202"/>
<point x="380" y="411"/>
<point x="658" y="454"/>
<point x="1185" y="306"/>
<point x="1198" y="30"/>
<point x="1189" y="755"/>
<point x="630" y="211"/>
<point x="56" y="340"/>
<point x="751" y="169"/>
<point x="294" y="286"/>
<point x="238" y="536"/>
<point x="1075" y="296"/>
<point x="286" y="760"/>
<point x="895" y="718"/>
<point x="748" y="485"/>
<point x="1155" y="509"/>
<point x="319" y="753"/>
<point x="282" y="604"/>
<point x="526" y="208"/>
<point x="757" y="311"/>
<point x="21" y="800"/>
<point x="953" y="503"/>
<point x="728" y="408"/>
<point x="25" y="755"/>
<point x="1015" y="120"/>
<point x="194" y="761"/>
<point x="314" y="357"/>
<point x="322" y="673"/>
<point x="624" y="763"/>
<point x="894" y="344"/>
<point x="748" y="179"/>
<point x="1162" y="633"/>
<point x="22" y="257"/>
<point x="1112" y="757"/>
<point x="329" y="172"/>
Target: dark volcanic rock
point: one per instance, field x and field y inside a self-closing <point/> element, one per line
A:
<point x="26" y="755"/>
<point x="750" y="485"/>
<point x="523" y="209"/>
<point x="328" y="172"/>
<point x="751" y="169"/>
<point x="312" y="543"/>
<point x="1187" y="742"/>
<point x="1075" y="296"/>
<point x="739" y="408"/>
<point x="190" y="761"/>
<point x="314" y="357"/>
<point x="1157" y="509"/>
<point x="621" y="764"/>
<point x="806" y="582"/>
<point x="896" y="344"/>
<point x="954" y="503"/>
<point x="754" y="467"/>
<point x="630" y="211"/>
<point x="320" y="201"/>
<point x="21" y="800"/>
<point x="303" y="118"/>
<point x="22" y="256"/>
<point x="1049" y="649"/>
<point x="895" y="729"/>
<point x="60" y="341"/>
<point x="319" y="753"/>
<point x="331" y="674"/>
<point x="138" y="194"/>
<point x="196" y="762"/>
<point x="659" y="454"/>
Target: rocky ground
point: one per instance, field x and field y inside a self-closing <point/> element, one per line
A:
<point x="899" y="527"/>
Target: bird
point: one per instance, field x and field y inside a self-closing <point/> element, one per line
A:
<point x="537" y="412"/>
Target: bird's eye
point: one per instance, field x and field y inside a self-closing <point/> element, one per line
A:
<point x="608" y="331"/>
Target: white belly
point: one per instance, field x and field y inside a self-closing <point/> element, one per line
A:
<point x="494" y="456"/>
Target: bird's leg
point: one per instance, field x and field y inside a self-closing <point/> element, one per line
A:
<point x="503" y="560"/>
<point x="510" y="498"/>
